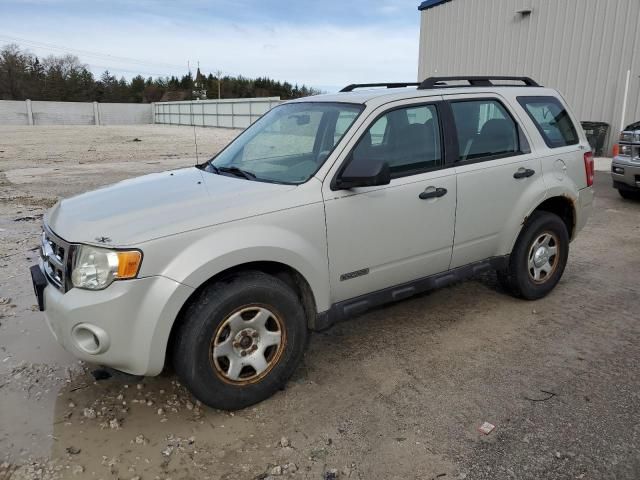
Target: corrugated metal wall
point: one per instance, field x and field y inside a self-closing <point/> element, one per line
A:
<point x="583" y="48"/>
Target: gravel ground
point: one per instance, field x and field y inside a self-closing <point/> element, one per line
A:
<point x="396" y="393"/>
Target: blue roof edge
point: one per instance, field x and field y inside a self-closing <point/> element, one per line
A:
<point x="427" y="4"/>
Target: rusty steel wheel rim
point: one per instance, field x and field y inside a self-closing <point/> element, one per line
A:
<point x="247" y="344"/>
<point x="543" y="257"/>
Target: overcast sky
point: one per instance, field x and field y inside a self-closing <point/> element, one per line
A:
<point x="325" y="44"/>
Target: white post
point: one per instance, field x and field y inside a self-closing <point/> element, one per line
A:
<point x="153" y="113"/>
<point x="624" y="102"/>
<point x="29" y="112"/>
<point x="96" y="114"/>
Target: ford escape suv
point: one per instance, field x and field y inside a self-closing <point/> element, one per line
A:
<point x="323" y="208"/>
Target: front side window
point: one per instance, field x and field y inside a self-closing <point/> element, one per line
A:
<point x="408" y="139"/>
<point x="552" y="120"/>
<point x="485" y="130"/>
<point x="288" y="144"/>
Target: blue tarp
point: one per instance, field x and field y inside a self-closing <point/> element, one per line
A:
<point x="431" y="3"/>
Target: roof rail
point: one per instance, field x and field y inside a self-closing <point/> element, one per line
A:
<point x="481" y="81"/>
<point x="353" y="86"/>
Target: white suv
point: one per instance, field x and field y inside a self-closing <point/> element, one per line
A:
<point x="323" y="208"/>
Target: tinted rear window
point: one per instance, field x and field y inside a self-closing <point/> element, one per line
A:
<point x="551" y="119"/>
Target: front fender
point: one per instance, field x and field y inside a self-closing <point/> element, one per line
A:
<point x="295" y="237"/>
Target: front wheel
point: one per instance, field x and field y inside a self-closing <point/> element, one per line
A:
<point x="629" y="194"/>
<point x="240" y="340"/>
<point x="538" y="258"/>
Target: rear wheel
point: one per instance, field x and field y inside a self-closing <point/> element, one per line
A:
<point x="240" y="341"/>
<point x="538" y="258"/>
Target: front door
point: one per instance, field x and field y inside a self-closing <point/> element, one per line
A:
<point x="387" y="235"/>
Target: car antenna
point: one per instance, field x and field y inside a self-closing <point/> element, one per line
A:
<point x="195" y="141"/>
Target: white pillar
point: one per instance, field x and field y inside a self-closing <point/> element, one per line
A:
<point x="153" y="113"/>
<point x="96" y="113"/>
<point x="29" y="112"/>
<point x="624" y="101"/>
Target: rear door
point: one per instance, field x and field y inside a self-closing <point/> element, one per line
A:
<point x="498" y="177"/>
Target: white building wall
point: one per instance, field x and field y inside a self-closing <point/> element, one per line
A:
<point x="583" y="48"/>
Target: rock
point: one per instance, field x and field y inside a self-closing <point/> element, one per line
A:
<point x="77" y="469"/>
<point x="149" y="403"/>
<point x="140" y="440"/>
<point x="120" y="397"/>
<point x="72" y="405"/>
<point x="189" y="405"/>
<point x="160" y="411"/>
<point x="331" y="474"/>
<point x="277" y="470"/>
<point x="167" y="451"/>
<point x="73" y="450"/>
<point x="89" y="413"/>
<point x="114" y="424"/>
<point x="5" y="300"/>
<point x="284" y="442"/>
<point x="291" y="467"/>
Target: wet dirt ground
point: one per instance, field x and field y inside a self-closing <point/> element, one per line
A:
<point x="396" y="393"/>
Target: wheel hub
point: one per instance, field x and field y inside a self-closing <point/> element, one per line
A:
<point x="247" y="344"/>
<point x="246" y="341"/>
<point x="541" y="256"/>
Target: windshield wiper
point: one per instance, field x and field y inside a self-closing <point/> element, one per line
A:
<point x="238" y="172"/>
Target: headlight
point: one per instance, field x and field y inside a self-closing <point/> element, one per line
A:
<point x="96" y="268"/>
<point x="626" y="136"/>
<point x="625" y="150"/>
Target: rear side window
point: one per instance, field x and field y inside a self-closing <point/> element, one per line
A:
<point x="551" y="119"/>
<point x="485" y="130"/>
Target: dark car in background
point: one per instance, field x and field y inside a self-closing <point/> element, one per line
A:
<point x="625" y="167"/>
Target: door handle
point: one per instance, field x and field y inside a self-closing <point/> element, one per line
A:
<point x="524" y="173"/>
<point x="437" y="193"/>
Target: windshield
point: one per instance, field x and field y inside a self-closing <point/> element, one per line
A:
<point x="288" y="144"/>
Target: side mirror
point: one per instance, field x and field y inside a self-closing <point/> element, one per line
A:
<point x="364" y="173"/>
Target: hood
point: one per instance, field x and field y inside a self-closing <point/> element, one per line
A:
<point x="157" y="205"/>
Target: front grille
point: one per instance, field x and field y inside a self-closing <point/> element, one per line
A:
<point x="55" y="259"/>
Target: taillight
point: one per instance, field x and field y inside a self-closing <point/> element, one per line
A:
<point x="616" y="150"/>
<point x="589" y="167"/>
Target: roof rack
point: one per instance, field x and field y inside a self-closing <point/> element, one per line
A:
<point x="353" y="86"/>
<point x="440" y="82"/>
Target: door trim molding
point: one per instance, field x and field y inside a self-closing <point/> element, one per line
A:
<point x="345" y="309"/>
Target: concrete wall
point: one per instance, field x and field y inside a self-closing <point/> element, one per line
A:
<point x="125" y="113"/>
<point x="228" y="113"/>
<point x="74" y="113"/>
<point x="583" y="48"/>
<point x="13" y="113"/>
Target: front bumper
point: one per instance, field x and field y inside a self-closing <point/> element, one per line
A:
<point x="625" y="174"/>
<point x="130" y="321"/>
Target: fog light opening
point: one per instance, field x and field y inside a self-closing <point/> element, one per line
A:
<point x="90" y="339"/>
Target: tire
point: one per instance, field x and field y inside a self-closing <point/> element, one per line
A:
<point x="528" y="275"/>
<point x="629" y="194"/>
<point x="251" y="312"/>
